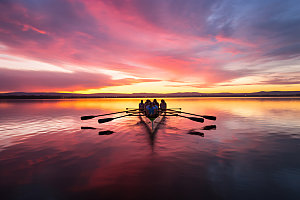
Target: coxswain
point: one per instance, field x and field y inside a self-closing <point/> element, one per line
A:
<point x="151" y="110"/>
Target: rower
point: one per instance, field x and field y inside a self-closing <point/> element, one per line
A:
<point x="156" y="108"/>
<point x="146" y="104"/>
<point x="141" y="106"/>
<point x="146" y="107"/>
<point x="155" y="103"/>
<point x="163" y="105"/>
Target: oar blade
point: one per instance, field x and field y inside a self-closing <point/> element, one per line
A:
<point x="192" y="132"/>
<point x="105" y="132"/>
<point x="196" y="119"/>
<point x="87" y="117"/>
<point x="209" y="117"/>
<point x="105" y="120"/>
<point x="87" y="127"/>
<point x="210" y="127"/>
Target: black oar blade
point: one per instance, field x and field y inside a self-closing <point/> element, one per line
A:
<point x="105" y="132"/>
<point x="105" y="120"/>
<point x="196" y="119"/>
<point x="87" y="127"/>
<point x="196" y="133"/>
<point x="209" y="117"/>
<point x="87" y="117"/>
<point x="210" y="127"/>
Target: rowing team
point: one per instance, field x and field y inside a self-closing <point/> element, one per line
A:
<point x="151" y="109"/>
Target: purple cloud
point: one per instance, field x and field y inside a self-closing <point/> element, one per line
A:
<point x="18" y="80"/>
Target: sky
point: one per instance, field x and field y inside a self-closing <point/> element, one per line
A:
<point x="157" y="46"/>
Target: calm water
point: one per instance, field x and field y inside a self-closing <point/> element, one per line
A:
<point x="252" y="154"/>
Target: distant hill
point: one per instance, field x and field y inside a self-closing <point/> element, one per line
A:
<point x="24" y="95"/>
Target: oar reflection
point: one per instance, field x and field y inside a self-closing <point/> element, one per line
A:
<point x="150" y="132"/>
<point x="206" y="128"/>
<point x="107" y="132"/>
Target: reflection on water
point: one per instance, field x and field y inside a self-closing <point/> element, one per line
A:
<point x="250" y="152"/>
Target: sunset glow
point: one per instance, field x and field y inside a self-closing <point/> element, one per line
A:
<point x="141" y="46"/>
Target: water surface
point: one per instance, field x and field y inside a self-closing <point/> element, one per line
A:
<point x="252" y="154"/>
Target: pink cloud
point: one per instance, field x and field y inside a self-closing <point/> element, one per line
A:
<point x="41" y="81"/>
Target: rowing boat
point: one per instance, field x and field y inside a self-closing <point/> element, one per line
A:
<point x="152" y="122"/>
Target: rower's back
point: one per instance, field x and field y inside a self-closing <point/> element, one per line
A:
<point x="163" y="105"/>
<point x="141" y="106"/>
<point x="155" y="103"/>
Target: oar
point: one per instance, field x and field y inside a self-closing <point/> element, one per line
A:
<point x="110" y="119"/>
<point x="209" y="127"/>
<point x="192" y="132"/>
<point x="134" y="112"/>
<point x="87" y="127"/>
<point x="204" y="116"/>
<point x="196" y="119"/>
<point x="167" y="109"/>
<point x="105" y="132"/>
<point x="93" y="116"/>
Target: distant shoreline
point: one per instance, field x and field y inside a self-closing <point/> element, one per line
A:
<point x="150" y="95"/>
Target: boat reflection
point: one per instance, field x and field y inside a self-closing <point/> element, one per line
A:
<point x="150" y="132"/>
